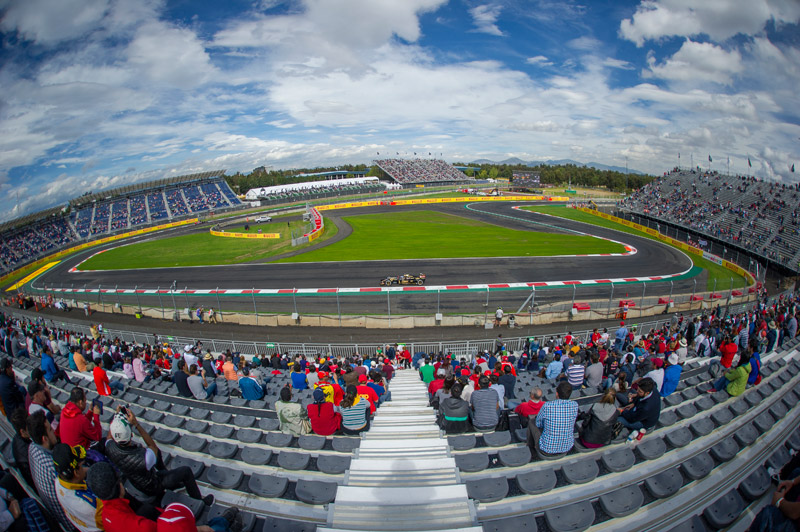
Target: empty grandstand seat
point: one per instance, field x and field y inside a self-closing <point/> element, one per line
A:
<point x="497" y="439"/>
<point x="279" y="439"/>
<point x="679" y="437"/>
<point x="222" y="449"/>
<point x="487" y="489"/>
<point x="693" y="524"/>
<point x="462" y="442"/>
<point x="725" y="450"/>
<point x="224" y="477"/>
<point x="165" y="436"/>
<point x="746" y="435"/>
<point x="623" y="501"/>
<point x="698" y="466"/>
<point x="178" y="410"/>
<point x="724" y="510"/>
<point x="192" y="443"/>
<point x="221" y="431"/>
<point x="244" y="421"/>
<point x="673" y="400"/>
<point x="581" y="471"/>
<point x="702" y="426"/>
<point x="311" y="442"/>
<point x="472" y="462"/>
<point x="180" y="461"/>
<point x="270" y="486"/>
<point x="174" y="422"/>
<point x="293" y="461"/>
<point x="763" y="422"/>
<point x="266" y="423"/>
<point x="704" y="403"/>
<point x="199" y="413"/>
<point x="514" y="457"/>
<point x="664" y="484"/>
<point x="576" y="516"/>
<point x="345" y="445"/>
<point x="779" y="458"/>
<point x="221" y="417"/>
<point x="651" y="448"/>
<point x="153" y="416"/>
<point x="686" y="411"/>
<point x="274" y="524"/>
<point x="249" y="435"/>
<point x="512" y="524"/>
<point x="196" y="506"/>
<point x="196" y="426"/>
<point x="248" y="518"/>
<point x="256" y="456"/>
<point x="333" y="465"/>
<point x="315" y="492"/>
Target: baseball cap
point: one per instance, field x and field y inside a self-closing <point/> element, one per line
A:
<point x="322" y="374"/>
<point x="120" y="429"/>
<point x="66" y="458"/>
<point x="362" y="378"/>
<point x="658" y="362"/>
<point x="176" y="518"/>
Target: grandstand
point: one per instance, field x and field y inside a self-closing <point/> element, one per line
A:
<point x="759" y="217"/>
<point x="309" y="190"/>
<point x="97" y="215"/>
<point x="704" y="466"/>
<point x="421" y="171"/>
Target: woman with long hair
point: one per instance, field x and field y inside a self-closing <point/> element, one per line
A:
<point x="355" y="412"/>
<point x="598" y="425"/>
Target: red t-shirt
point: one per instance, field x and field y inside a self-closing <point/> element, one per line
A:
<point x="118" y="517"/>
<point x="435" y="385"/>
<point x="529" y="408"/>
<point x="365" y="392"/>
<point x="728" y="350"/>
<point x="324" y="421"/>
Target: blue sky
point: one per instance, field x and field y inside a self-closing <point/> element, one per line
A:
<point x="102" y="93"/>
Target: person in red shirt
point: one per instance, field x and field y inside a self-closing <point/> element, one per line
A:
<point x="388" y="369"/>
<point x="728" y="350"/>
<point x="103" y="385"/>
<point x="325" y="420"/>
<point x="116" y="511"/>
<point x="435" y="384"/>
<point x="77" y="427"/>
<point x="365" y="392"/>
<point x="532" y="407"/>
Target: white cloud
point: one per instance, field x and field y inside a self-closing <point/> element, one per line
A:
<point x="485" y="19"/>
<point x="539" y="60"/>
<point x="719" y="19"/>
<point x="617" y="63"/>
<point x="48" y="23"/>
<point x="698" y="62"/>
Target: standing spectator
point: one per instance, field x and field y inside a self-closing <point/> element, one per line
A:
<point x="43" y="470"/>
<point x="12" y="394"/>
<point x="620" y="336"/>
<point x="498" y="318"/>
<point x="552" y="431"/>
<point x="293" y="418"/>
<point x="77" y="427"/>
<point x="485" y="406"/>
<point x="772" y="336"/>
<point x="77" y="500"/>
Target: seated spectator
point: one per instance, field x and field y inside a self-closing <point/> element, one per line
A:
<point x="426" y="372"/>
<point x="554" y="369"/>
<point x="531" y="407"/>
<point x="292" y="416"/>
<point x="575" y="372"/>
<point x="229" y="369"/>
<point x="138" y="367"/>
<point x="180" y="377"/>
<point x="143" y="466"/>
<point x="77" y="427"/>
<point x="104" y="385"/>
<point x="81" y="364"/>
<point x="644" y="407"/>
<point x="454" y="411"/>
<point x="355" y="412"/>
<point x="12" y="394"/>
<point x="249" y="387"/>
<point x="299" y="381"/>
<point x="598" y="423"/>
<point x="116" y="513"/>
<point x="43" y="470"/>
<point x="735" y="380"/>
<point x="728" y="349"/>
<point x="197" y="384"/>
<point x="52" y="373"/>
<point x="208" y="365"/>
<point x="325" y="418"/>
<point x="508" y="381"/>
<point x="333" y="391"/>
<point x="20" y="443"/>
<point x="594" y="373"/>
<point x="379" y="387"/>
<point x="36" y="392"/>
<point x="552" y="432"/>
<point x="672" y="375"/>
<point x="79" y="503"/>
<point x="443" y="392"/>
<point x="657" y="373"/>
<point x="485" y="406"/>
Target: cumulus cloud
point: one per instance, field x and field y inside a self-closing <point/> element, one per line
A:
<point x="539" y="60"/>
<point x="700" y="62"/>
<point x="485" y="19"/>
<point x="719" y="19"/>
<point x="48" y="23"/>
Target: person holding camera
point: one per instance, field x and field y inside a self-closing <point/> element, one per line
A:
<point x="79" y="426"/>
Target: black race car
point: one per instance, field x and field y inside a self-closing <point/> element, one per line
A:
<point x="406" y="278"/>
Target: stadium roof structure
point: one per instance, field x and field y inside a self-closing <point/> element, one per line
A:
<point x="333" y="173"/>
<point x="138" y="187"/>
<point x="30" y="218"/>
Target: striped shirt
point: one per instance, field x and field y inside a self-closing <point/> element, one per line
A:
<point x="355" y="417"/>
<point x="43" y="471"/>
<point x="484" y="406"/>
<point x="575" y="373"/>
<point x="557" y="421"/>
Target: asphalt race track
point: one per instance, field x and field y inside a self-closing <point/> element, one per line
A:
<point x="652" y="259"/>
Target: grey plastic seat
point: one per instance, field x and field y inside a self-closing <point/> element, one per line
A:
<point x="315" y="492"/>
<point x="487" y="489"/>
<point x="311" y="442"/>
<point x="107" y="415"/>
<point x="274" y="524"/>
<point x="221" y="398"/>
<point x="577" y="516"/>
<point x="497" y="439"/>
<point x="472" y="462"/>
<point x="256" y="456"/>
<point x="667" y="418"/>
<point x="222" y="449"/>
<point x="141" y="401"/>
<point x="153" y="416"/>
<point x="130" y="397"/>
<point x="651" y="448"/>
<point x="164" y="406"/>
<point x="689" y="393"/>
<point x="704" y="403"/>
<point x="244" y="422"/>
<point x="293" y="461"/>
<point x="512" y="524"/>
<point x="702" y="427"/>
<point x="221" y="417"/>
<point x="722" y="416"/>
<point x="514" y="457"/>
<point x="268" y="423"/>
<point x="665" y="484"/>
<point x="194" y="505"/>
<point x="679" y="437"/>
<point x="686" y="411"/>
<point x="271" y="486"/>
<point x="249" y="435"/>
<point x="794" y="440"/>
<point x="248" y="519"/>
<point x="536" y="482"/>
<point x="753" y="398"/>
<point x="623" y="501"/>
<point x="180" y="461"/>
<point x="165" y="436"/>
<point x="279" y="439"/>
<point x="581" y="472"/>
<point x="345" y="445"/>
<point x="693" y="381"/>
<point x="199" y="413"/>
<point x="703" y="387"/>
<point x="778" y="410"/>
<point x="173" y="422"/>
<point x="462" y="442"/>
<point x="779" y="458"/>
<point x="163" y="387"/>
<point x="673" y="399"/>
<point x="693" y="524"/>
<point x="196" y="426"/>
<point x="332" y="464"/>
<point x="192" y="443"/>
<point x="221" y="431"/>
<point x="618" y="460"/>
<point x="137" y="410"/>
<point x="178" y="410"/>
<point x="756" y="485"/>
<point x="746" y="435"/>
<point x="725" y="450"/>
<point x="724" y="510"/>
<point x="237" y="401"/>
<point x="224" y="477"/>
<point x="720" y="396"/>
<point x="698" y="466"/>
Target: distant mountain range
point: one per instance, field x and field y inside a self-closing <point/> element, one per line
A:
<point x="557" y="162"/>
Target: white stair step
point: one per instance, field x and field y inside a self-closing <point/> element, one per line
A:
<point x="403" y="465"/>
<point x="430" y="443"/>
<point x="400" y="496"/>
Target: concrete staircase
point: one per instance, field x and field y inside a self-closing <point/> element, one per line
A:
<point x="402" y="477"/>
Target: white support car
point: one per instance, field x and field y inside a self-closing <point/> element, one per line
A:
<point x="264" y="218"/>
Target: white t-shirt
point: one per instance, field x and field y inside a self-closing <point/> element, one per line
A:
<point x="658" y="376"/>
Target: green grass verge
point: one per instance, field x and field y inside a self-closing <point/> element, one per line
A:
<point x="199" y="249"/>
<point x="428" y="234"/>
<point x="716" y="272"/>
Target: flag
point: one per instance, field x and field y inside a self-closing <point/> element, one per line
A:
<point x="709" y="159"/>
<point x="749" y="163"/>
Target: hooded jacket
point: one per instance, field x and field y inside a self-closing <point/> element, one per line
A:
<point x="598" y="428"/>
<point x="77" y="428"/>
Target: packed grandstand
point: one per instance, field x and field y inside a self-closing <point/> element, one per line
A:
<point x="420" y="171"/>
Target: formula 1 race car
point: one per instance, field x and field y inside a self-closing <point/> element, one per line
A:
<point x="406" y="278"/>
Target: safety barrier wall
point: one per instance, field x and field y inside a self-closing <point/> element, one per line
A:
<point x="245" y="235"/>
<point x="319" y="225"/>
<point x="427" y="201"/>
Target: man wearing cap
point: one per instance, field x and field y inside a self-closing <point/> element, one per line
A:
<point x="249" y="387"/>
<point x="12" y="394"/>
<point x="365" y="392"/>
<point x="672" y="375"/>
<point x="143" y="466"/>
<point x="117" y="514"/>
<point x="188" y="356"/>
<point x="82" y="507"/>
<point x="43" y="471"/>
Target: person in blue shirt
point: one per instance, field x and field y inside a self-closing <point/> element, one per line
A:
<point x="71" y="360"/>
<point x="299" y="381"/>
<point x="377" y="384"/>
<point x="251" y="389"/>
<point x="51" y="370"/>
<point x="555" y="368"/>
<point x="672" y="375"/>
